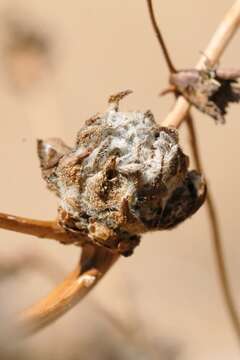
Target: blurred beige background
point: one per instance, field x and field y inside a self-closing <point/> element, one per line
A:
<point x="85" y="51"/>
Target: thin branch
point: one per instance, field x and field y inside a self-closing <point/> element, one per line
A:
<point x="213" y="52"/>
<point x="94" y="264"/>
<point x="41" y="229"/>
<point x="24" y="261"/>
<point x="158" y="33"/>
<point x="216" y="237"/>
<point x="129" y="330"/>
<point x="216" y="47"/>
<point x="194" y="142"/>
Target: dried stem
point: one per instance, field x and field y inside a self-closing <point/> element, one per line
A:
<point x="216" y="237"/>
<point x="158" y="33"/>
<point x="213" y="52"/>
<point x="94" y="263"/>
<point x="216" y="47"/>
<point x="11" y="265"/>
<point x="40" y="228"/>
<point x="129" y="329"/>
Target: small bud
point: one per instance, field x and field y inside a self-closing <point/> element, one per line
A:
<point x="209" y="90"/>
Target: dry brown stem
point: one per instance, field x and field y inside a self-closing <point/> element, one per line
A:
<point x="12" y="264"/>
<point x="216" y="237"/>
<point x="40" y="228"/>
<point x="94" y="263"/>
<point x="159" y="36"/>
<point x="219" y="42"/>
<point x="213" y="52"/>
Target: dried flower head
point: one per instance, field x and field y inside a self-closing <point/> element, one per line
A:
<point x="124" y="176"/>
<point x="210" y="90"/>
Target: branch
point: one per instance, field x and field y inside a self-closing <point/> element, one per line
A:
<point x="41" y="229"/>
<point x="220" y="40"/>
<point x="216" y="238"/>
<point x="94" y="264"/>
<point x="213" y="52"/>
<point x="24" y="261"/>
<point x="159" y="36"/>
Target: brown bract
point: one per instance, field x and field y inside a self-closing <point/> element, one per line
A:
<point x="209" y="90"/>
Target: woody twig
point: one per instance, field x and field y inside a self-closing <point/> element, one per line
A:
<point x="217" y="45"/>
<point x="93" y="265"/>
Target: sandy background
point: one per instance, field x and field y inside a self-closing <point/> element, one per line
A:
<point x="167" y="295"/>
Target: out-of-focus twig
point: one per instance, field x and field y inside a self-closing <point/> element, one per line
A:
<point x="216" y="236"/>
<point x="11" y="265"/>
<point x="130" y="330"/>
<point x="94" y="263"/>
